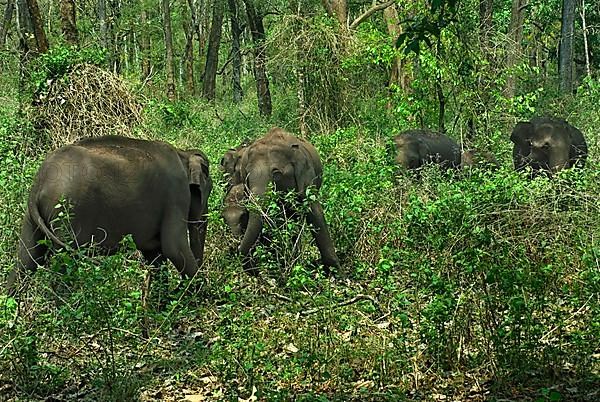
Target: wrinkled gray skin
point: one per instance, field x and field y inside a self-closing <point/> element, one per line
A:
<point x="415" y="148"/>
<point x="547" y="145"/>
<point x="289" y="163"/>
<point x="234" y="212"/>
<point x="117" y="186"/>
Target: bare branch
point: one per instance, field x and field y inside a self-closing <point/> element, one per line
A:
<point x="371" y="11"/>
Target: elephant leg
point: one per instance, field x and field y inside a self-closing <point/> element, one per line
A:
<point x="31" y="253"/>
<point x="176" y="247"/>
<point x="321" y="234"/>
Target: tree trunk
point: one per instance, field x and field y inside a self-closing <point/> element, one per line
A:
<point x="212" y="54"/>
<point x="166" y="11"/>
<point x="515" y="32"/>
<point x="103" y="23"/>
<point x="188" y="60"/>
<point x="398" y="76"/>
<point x="236" y="55"/>
<point x="486" y="8"/>
<point x="337" y="9"/>
<point x="38" y="26"/>
<point x="255" y="22"/>
<point x="67" y="18"/>
<point x="8" y="14"/>
<point x="188" y="54"/>
<point x="585" y="39"/>
<point x="144" y="44"/>
<point x="565" y="63"/>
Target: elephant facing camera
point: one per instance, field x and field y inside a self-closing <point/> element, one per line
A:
<point x="547" y="145"/>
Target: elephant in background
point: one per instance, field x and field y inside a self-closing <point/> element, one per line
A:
<point x="547" y="145"/>
<point x="117" y="186"/>
<point x="415" y="148"/>
<point x="289" y="163"/>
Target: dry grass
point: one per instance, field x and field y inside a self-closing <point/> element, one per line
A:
<point x="86" y="102"/>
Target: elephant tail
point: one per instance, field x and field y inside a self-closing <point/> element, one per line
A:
<point x="37" y="219"/>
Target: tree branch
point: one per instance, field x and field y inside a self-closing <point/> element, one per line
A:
<point x="371" y="11"/>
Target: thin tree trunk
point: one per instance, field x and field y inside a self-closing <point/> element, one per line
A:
<point x="515" y="33"/>
<point x="188" y="54"/>
<point x="103" y="23"/>
<point x="68" y="21"/>
<point x="397" y="74"/>
<point x="8" y="14"/>
<point x="38" y="26"/>
<point x="168" y="35"/>
<point x="255" y="22"/>
<point x="585" y="39"/>
<point x="144" y="44"/>
<point x="486" y="8"/>
<point x="565" y="61"/>
<point x="236" y="55"/>
<point x="212" y="54"/>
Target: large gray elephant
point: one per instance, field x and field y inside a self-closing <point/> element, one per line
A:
<point x="289" y="163"/>
<point x="415" y="148"/>
<point x="547" y="145"/>
<point x="116" y="186"/>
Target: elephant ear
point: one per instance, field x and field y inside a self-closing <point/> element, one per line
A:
<point x="522" y="131"/>
<point x="304" y="171"/>
<point x="198" y="169"/>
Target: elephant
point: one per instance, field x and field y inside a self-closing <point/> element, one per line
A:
<point x="415" y="148"/>
<point x="289" y="164"/>
<point x="547" y="145"/>
<point x="116" y="186"/>
<point x="234" y="213"/>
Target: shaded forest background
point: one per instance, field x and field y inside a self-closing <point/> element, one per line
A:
<point x="479" y="287"/>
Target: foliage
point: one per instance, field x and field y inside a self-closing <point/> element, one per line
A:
<point x="461" y="286"/>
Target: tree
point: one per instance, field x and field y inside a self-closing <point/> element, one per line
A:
<point x="515" y="33"/>
<point x="236" y="55"/>
<point x="212" y="54"/>
<point x="144" y="44"/>
<point x="8" y="14"/>
<point x="188" y="54"/>
<point x="486" y="8"/>
<point x="101" y="9"/>
<point x="168" y="35"/>
<point x="255" y="22"/>
<point x="337" y="9"/>
<point x="38" y="26"/>
<point x="565" y="64"/>
<point x="67" y="18"/>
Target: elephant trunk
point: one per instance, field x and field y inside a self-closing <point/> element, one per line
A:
<point x="559" y="158"/>
<point x="257" y="187"/>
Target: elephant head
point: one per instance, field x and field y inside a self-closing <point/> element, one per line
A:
<point x="234" y="211"/>
<point x="288" y="163"/>
<point x="415" y="148"/>
<point x="230" y="165"/>
<point x="200" y="188"/>
<point x="547" y="144"/>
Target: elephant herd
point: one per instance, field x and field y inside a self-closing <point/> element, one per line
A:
<point x="545" y="145"/>
<point x="115" y="186"/>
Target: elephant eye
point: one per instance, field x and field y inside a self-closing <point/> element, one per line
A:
<point x="546" y="145"/>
